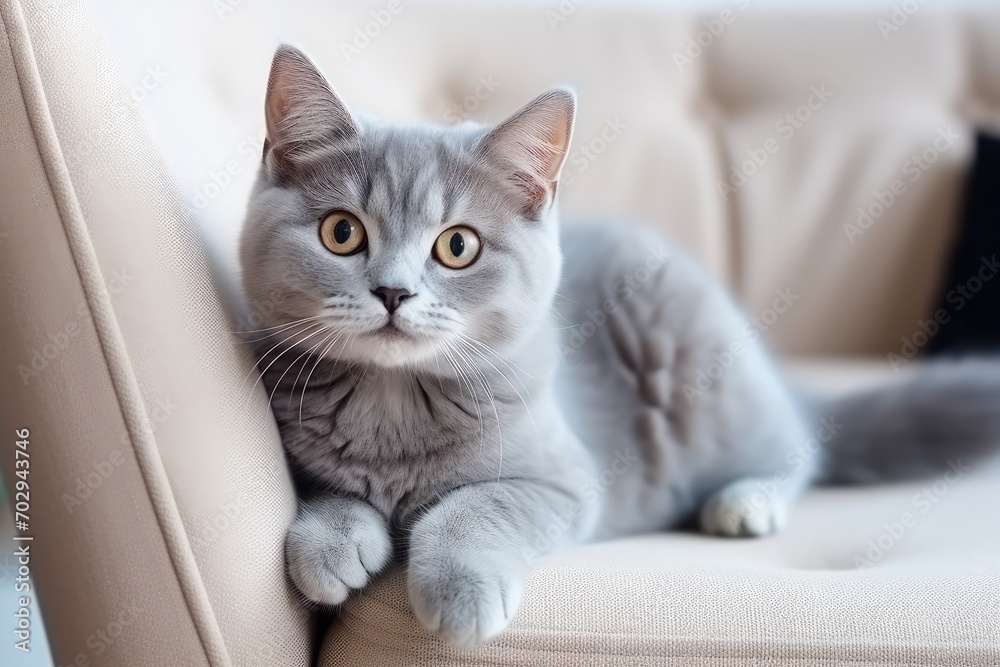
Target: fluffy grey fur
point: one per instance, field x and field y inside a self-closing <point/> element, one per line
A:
<point x="490" y="419"/>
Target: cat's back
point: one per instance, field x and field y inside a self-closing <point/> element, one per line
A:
<point x="630" y="296"/>
<point x="643" y="327"/>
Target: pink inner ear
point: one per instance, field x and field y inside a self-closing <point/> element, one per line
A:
<point x="533" y="190"/>
<point x="529" y="147"/>
<point x="544" y="155"/>
<point x="275" y="112"/>
<point x="276" y="107"/>
<point x="558" y="145"/>
<point x="277" y="104"/>
<point x="301" y="110"/>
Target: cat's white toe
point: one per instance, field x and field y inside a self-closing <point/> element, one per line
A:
<point x="743" y="510"/>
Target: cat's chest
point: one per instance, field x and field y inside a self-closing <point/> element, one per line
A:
<point x="396" y="443"/>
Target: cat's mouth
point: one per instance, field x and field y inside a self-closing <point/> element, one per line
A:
<point x="392" y="345"/>
<point x="390" y="331"/>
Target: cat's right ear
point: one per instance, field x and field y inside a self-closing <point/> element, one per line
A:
<point x="301" y="112"/>
<point x="530" y="147"/>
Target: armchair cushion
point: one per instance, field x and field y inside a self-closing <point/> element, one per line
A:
<point x="901" y="574"/>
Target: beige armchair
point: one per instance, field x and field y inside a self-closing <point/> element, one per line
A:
<point x="159" y="492"/>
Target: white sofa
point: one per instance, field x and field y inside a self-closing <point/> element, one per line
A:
<point x="117" y="353"/>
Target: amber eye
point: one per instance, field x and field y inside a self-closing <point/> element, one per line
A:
<point x="342" y="233"/>
<point x="457" y="247"/>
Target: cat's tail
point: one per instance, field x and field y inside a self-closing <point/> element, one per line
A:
<point x="945" y="415"/>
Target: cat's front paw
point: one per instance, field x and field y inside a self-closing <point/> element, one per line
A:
<point x="334" y="546"/>
<point x="465" y="600"/>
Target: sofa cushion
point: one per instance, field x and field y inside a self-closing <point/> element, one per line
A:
<point x="874" y="576"/>
<point x="896" y="574"/>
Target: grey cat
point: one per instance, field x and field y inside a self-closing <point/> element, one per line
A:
<point x="442" y="404"/>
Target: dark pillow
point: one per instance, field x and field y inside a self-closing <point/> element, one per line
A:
<point x="971" y="295"/>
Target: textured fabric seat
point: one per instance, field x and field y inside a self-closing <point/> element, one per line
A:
<point x="894" y="575"/>
<point x="116" y="346"/>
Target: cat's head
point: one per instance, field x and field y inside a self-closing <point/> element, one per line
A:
<point x="387" y="243"/>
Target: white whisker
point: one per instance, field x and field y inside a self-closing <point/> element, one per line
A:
<point x="295" y="383"/>
<point x="463" y="377"/>
<point x="484" y="381"/>
<point x="264" y="356"/>
<point x="523" y="402"/>
<point x="305" y="386"/>
<point x="333" y="332"/>
<point x="280" y="327"/>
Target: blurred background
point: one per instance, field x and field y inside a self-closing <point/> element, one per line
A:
<point x="675" y="97"/>
<point x="816" y="156"/>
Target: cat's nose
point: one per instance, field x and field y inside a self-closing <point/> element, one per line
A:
<point x="391" y="297"/>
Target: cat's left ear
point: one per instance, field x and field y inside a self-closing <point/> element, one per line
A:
<point x="530" y="147"/>
<point x="301" y="112"/>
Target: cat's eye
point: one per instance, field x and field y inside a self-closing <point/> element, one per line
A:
<point x="342" y="233"/>
<point x="457" y="247"/>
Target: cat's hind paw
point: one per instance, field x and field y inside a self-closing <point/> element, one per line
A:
<point x="742" y="509"/>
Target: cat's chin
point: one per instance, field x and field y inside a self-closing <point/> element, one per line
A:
<point x="389" y="347"/>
